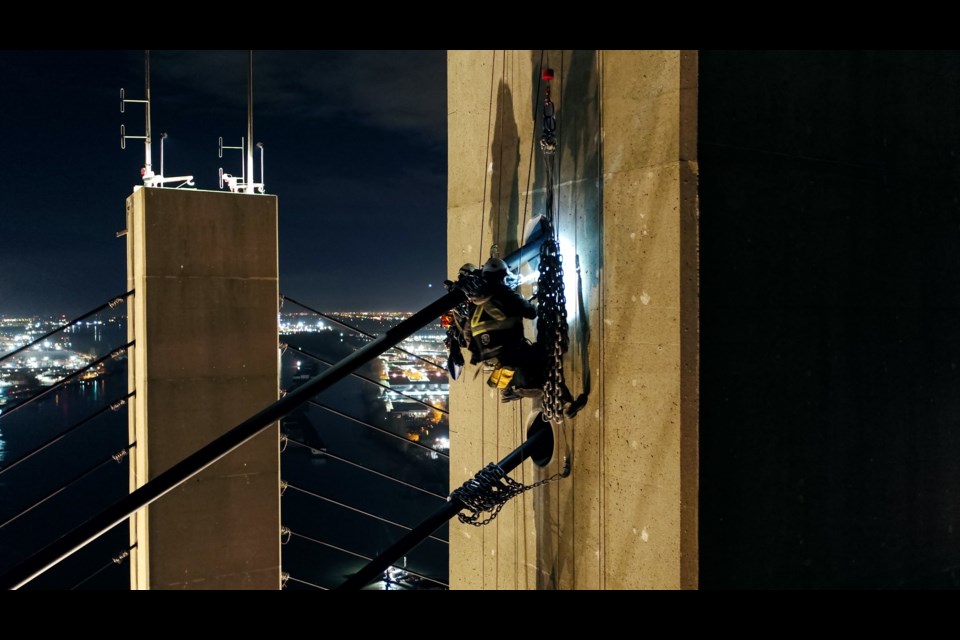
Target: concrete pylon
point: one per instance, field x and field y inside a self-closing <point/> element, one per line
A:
<point x="204" y="317"/>
<point x="626" y="518"/>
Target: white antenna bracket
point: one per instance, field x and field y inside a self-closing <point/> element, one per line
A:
<point x="237" y="184"/>
<point x="150" y="178"/>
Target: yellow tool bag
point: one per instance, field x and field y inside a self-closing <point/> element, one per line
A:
<point x="501" y="377"/>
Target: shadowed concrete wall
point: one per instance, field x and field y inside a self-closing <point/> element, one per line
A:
<point x="626" y="518"/>
<point x="830" y="345"/>
<point x="204" y="266"/>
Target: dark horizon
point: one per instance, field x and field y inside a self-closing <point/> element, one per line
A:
<point x="355" y="155"/>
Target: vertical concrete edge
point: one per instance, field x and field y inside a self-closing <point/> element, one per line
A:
<point x="690" y="324"/>
<point x="136" y="330"/>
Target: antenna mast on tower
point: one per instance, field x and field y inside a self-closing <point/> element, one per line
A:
<point x="245" y="182"/>
<point x="150" y="179"/>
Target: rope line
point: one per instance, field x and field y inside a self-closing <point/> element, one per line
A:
<point x="360" y="466"/>
<point x="347" y="325"/>
<point x="499" y="200"/>
<point x="486" y="160"/>
<point x="380" y="429"/>
<point x="112" y="303"/>
<point x="360" y="555"/>
<point x="533" y="140"/>
<point x="287" y="485"/>
<point x="116" y="353"/>
<point x="116" y="457"/>
<point x="113" y="406"/>
<point x="483" y="407"/>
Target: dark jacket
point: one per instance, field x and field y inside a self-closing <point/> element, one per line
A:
<point x="496" y="323"/>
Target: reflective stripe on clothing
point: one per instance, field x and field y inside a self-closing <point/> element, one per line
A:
<point x="489" y="317"/>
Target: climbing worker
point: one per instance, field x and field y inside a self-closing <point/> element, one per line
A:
<point x="491" y="326"/>
<point x="495" y="334"/>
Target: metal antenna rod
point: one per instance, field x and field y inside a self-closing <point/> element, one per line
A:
<point x="148" y="162"/>
<point x="249" y="168"/>
<point x="163" y="136"/>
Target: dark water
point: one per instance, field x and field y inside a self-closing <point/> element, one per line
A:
<point x="86" y="450"/>
<point x="71" y="479"/>
<point x="349" y="485"/>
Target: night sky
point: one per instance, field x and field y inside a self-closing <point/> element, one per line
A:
<point x="355" y="148"/>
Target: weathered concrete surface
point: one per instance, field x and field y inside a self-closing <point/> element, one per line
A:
<point x="626" y="162"/>
<point x="204" y="266"/>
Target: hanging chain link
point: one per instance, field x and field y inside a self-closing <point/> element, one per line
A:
<point x="492" y="488"/>
<point x="548" y="141"/>
<point x="552" y="329"/>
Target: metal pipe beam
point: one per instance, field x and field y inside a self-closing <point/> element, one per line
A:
<point x="209" y="454"/>
<point x="375" y="568"/>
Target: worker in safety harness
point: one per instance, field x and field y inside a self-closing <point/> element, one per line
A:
<point x="495" y="334"/>
<point x="490" y="325"/>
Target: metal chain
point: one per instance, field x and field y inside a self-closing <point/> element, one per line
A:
<point x="548" y="141"/>
<point x="492" y="488"/>
<point x="552" y="328"/>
